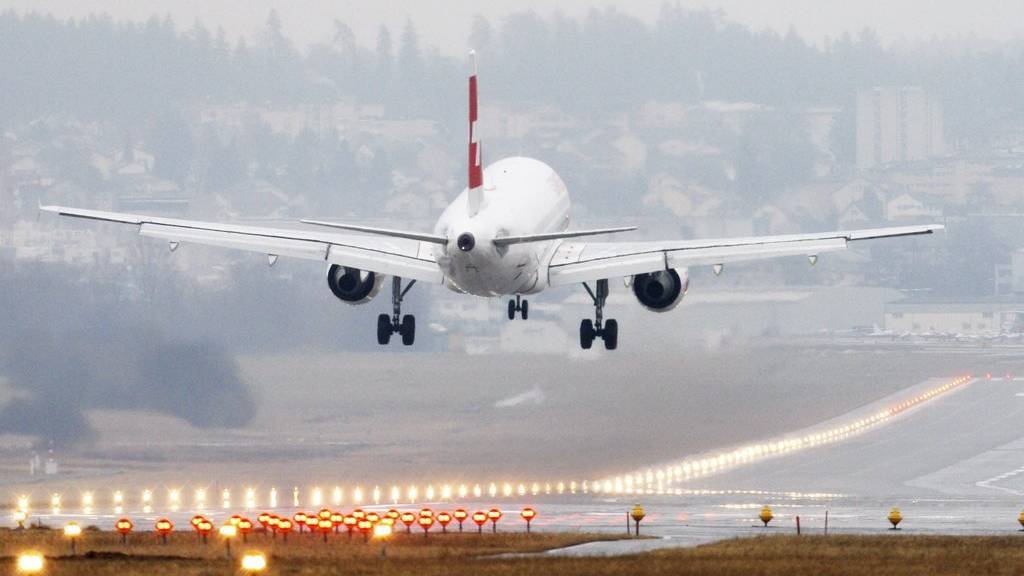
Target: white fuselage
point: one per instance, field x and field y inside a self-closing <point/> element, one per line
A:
<point x="521" y="196"/>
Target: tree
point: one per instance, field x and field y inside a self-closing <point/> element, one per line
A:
<point x="384" y="62"/>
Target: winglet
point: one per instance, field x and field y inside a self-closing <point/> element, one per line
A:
<point x="475" y="162"/>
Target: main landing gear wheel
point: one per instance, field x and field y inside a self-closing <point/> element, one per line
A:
<point x="383" y="329"/>
<point x="396" y="323"/>
<point x="611" y="335"/>
<point x="518" y="305"/>
<point x="587" y="334"/>
<point x="408" y="330"/>
<point x="599" y="328"/>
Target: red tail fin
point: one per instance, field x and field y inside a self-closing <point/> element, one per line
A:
<point x="476" y="171"/>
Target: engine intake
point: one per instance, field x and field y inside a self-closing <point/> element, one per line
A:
<point x="661" y="291"/>
<point x="353" y="285"/>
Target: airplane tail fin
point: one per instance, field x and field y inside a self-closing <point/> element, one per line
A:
<point x="476" y="171"/>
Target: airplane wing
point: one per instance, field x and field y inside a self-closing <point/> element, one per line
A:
<point x="402" y="257"/>
<point x="575" y="262"/>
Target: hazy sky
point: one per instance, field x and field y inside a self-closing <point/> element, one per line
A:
<point x="445" y="24"/>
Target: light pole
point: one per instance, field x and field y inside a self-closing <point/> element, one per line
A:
<point x="124" y="527"/>
<point x="163" y="528"/>
<point x="227" y="532"/>
<point x="480" y="518"/>
<point x="637" y="514"/>
<point x="528" y="514"/>
<point x="460" y="515"/>
<point x="494" y="515"/>
<point x="72" y="531"/>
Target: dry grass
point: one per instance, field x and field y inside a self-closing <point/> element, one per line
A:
<point x="184" y="554"/>
<point x="453" y="554"/>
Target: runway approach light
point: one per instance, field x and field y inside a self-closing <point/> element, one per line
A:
<point x="264" y="520"/>
<point x="163" y="528"/>
<point x="766" y="515"/>
<point x="349" y="521"/>
<point x="444" y="518"/>
<point x="426" y="522"/>
<point x="338" y="519"/>
<point x="494" y="515"/>
<point x="408" y="518"/>
<point x="254" y="563"/>
<point x="203" y="528"/>
<point x="300" y="520"/>
<point x="228" y="531"/>
<point x="480" y="518"/>
<point x="528" y="514"/>
<point x="124" y="527"/>
<point x="637" y="514"/>
<point x="20" y="517"/>
<point x="365" y="526"/>
<point x="325" y="527"/>
<point x="460" y="516"/>
<point x="244" y="528"/>
<point x="284" y="526"/>
<point x="895" y="518"/>
<point x="382" y="531"/>
<point x="1021" y="520"/>
<point x="72" y="531"/>
<point x="312" y="523"/>
<point x="30" y="563"/>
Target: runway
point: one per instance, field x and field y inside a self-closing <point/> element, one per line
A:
<point x="953" y="463"/>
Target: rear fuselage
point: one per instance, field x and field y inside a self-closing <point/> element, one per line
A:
<point x="521" y="196"/>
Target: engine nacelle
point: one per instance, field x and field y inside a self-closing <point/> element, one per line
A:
<point x="661" y="291"/>
<point x="353" y="285"/>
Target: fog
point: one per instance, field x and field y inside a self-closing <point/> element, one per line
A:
<point x="308" y="21"/>
<point x="730" y="118"/>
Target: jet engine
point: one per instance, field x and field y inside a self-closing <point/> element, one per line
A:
<point x="353" y="285"/>
<point x="661" y="291"/>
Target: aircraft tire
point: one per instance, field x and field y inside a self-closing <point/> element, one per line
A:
<point x="587" y="334"/>
<point x="383" y="329"/>
<point x="408" y="330"/>
<point x="611" y="335"/>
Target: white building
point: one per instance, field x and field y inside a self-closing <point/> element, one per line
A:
<point x="988" y="317"/>
<point x="897" y="125"/>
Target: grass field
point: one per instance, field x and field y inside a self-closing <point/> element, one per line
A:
<point x="102" y="553"/>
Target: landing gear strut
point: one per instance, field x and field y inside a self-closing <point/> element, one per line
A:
<point x="518" y="305"/>
<point x="607" y="330"/>
<point x="396" y="323"/>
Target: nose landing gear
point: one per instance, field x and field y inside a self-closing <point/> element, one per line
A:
<point x="599" y="327"/>
<point x="396" y="323"/>
<point x="518" y="305"/>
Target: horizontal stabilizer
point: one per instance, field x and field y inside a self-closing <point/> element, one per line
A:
<point x="507" y="240"/>
<point x="381" y="231"/>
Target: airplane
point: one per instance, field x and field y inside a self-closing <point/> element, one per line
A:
<point x="506" y="234"/>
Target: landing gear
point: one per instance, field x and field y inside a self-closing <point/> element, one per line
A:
<point x="518" y="305"/>
<point x="396" y="323"/>
<point x="599" y="328"/>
